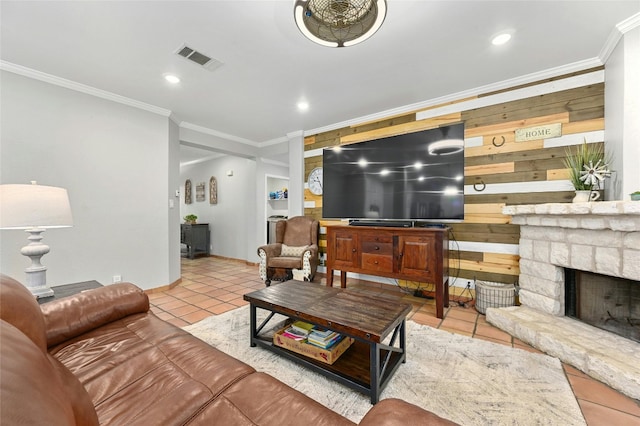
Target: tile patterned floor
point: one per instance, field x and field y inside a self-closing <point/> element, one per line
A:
<point x="211" y="286"/>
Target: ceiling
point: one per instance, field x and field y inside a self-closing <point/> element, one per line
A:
<point x="425" y="50"/>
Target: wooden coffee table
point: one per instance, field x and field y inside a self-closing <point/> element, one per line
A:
<point x="368" y="364"/>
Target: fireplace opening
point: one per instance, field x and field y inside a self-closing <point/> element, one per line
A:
<point x="609" y="303"/>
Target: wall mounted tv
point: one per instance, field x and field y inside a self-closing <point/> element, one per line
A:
<point x="417" y="176"/>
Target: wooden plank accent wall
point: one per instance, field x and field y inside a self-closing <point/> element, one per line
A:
<point x="485" y="245"/>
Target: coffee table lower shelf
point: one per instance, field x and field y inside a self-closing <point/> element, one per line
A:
<point x="354" y="367"/>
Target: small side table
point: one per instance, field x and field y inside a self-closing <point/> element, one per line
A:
<point x="69" y="289"/>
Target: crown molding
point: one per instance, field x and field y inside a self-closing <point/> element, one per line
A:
<point x="79" y="87"/>
<point x="275" y="141"/>
<point x="211" y="132"/>
<point x="274" y="162"/>
<point x="616" y="35"/>
<point x="628" y="24"/>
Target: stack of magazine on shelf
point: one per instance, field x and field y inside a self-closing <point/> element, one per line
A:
<point x="312" y="334"/>
<point x="299" y="330"/>
<point x="323" y="338"/>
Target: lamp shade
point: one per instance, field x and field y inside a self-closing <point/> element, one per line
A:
<point x="34" y="206"/>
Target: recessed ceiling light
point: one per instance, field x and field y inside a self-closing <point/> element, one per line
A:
<point x="303" y="106"/>
<point x="171" y="78"/>
<point x="501" y="39"/>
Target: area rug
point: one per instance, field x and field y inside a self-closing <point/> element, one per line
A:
<point x="469" y="381"/>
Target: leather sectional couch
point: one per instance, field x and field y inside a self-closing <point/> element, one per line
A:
<point x="101" y="357"/>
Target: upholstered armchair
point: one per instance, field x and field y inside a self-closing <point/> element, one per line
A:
<point x="296" y="247"/>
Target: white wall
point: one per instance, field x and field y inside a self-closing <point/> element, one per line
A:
<point x="622" y="109"/>
<point x="113" y="159"/>
<point x="173" y="202"/>
<point x="232" y="220"/>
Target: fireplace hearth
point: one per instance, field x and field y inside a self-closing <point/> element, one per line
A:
<point x="597" y="239"/>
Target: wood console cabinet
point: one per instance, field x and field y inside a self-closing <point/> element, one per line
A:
<point x="414" y="254"/>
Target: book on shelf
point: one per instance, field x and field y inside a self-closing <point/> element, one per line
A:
<point x="322" y="340"/>
<point x="302" y="327"/>
<point x="320" y="332"/>
<point x="294" y="333"/>
<point x="326" y="344"/>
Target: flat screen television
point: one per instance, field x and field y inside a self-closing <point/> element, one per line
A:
<point x="412" y="177"/>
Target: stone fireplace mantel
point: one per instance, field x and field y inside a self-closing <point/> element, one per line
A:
<point x="599" y="237"/>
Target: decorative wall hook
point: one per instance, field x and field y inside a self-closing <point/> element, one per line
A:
<point x="493" y="141"/>
<point x="481" y="182"/>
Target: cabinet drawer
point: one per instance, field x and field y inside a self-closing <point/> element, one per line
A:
<point x="374" y="247"/>
<point x="380" y="238"/>
<point x="376" y="262"/>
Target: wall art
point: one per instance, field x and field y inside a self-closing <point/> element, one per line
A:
<point x="200" y="191"/>
<point x="213" y="191"/>
<point x="187" y="192"/>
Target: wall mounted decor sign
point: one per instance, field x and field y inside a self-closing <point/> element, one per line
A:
<point x="187" y="192"/>
<point x="200" y="191"/>
<point x="213" y="191"/>
<point x="547" y="131"/>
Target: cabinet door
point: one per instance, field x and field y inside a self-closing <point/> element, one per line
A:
<point x="345" y="249"/>
<point x="417" y="257"/>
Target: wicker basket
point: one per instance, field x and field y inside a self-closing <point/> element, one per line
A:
<point x="494" y="295"/>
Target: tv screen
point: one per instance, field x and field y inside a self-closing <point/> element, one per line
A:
<point x="415" y="176"/>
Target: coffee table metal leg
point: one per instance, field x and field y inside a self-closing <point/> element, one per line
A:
<point x="403" y="340"/>
<point x="252" y="325"/>
<point x="374" y="361"/>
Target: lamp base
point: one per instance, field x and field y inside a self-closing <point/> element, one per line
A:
<point x="36" y="273"/>
<point x="37" y="284"/>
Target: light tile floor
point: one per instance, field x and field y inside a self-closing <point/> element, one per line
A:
<point x="211" y="286"/>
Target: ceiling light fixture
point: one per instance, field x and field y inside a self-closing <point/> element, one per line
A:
<point x="303" y="106"/>
<point x="501" y="39"/>
<point x="339" y="23"/>
<point x="172" y="78"/>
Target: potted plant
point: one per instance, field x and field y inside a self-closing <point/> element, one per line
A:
<point x="588" y="167"/>
<point x="635" y="196"/>
<point x="190" y="219"/>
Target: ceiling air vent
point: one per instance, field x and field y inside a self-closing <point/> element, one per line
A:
<point x="198" y="57"/>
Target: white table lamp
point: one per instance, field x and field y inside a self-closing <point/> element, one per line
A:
<point x="35" y="208"/>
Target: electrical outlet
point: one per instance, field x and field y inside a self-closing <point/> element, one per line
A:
<point x="117" y="278"/>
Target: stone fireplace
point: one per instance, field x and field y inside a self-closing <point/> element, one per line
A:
<point x="601" y="238"/>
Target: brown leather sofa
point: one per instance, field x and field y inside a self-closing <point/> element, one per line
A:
<point x="101" y="357"/>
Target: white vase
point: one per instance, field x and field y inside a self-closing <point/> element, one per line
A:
<point x="586" y="196"/>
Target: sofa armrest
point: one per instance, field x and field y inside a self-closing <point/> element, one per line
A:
<point x="72" y="316"/>
<point x="396" y="412"/>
